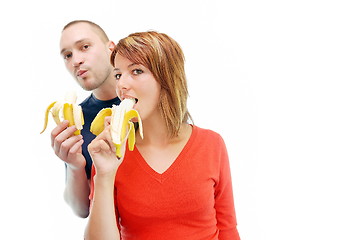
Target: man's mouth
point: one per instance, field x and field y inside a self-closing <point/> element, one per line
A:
<point x="81" y="73"/>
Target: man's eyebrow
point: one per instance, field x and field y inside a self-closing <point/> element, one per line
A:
<point x="76" y="43"/>
<point x="62" y="51"/>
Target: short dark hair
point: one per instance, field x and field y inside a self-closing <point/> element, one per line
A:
<point x="96" y="27"/>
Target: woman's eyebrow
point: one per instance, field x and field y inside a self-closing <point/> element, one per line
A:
<point x="130" y="65"/>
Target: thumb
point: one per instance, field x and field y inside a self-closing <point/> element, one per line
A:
<point x="97" y="146"/>
<point x="107" y="121"/>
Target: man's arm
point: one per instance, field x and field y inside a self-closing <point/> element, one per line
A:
<point x="77" y="191"/>
<point x="68" y="148"/>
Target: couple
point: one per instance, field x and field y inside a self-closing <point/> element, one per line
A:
<point x="176" y="184"/>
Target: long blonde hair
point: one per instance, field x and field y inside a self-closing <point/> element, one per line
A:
<point x="164" y="58"/>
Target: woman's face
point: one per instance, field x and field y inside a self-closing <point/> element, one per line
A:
<point x="137" y="81"/>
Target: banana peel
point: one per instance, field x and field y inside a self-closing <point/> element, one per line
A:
<point x="65" y="110"/>
<point x="121" y="127"/>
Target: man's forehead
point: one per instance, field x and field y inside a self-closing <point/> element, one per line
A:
<point x="77" y="32"/>
<point x="78" y="29"/>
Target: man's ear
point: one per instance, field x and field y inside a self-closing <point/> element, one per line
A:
<point x="111" y="45"/>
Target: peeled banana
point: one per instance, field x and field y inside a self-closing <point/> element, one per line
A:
<point x="66" y="110"/>
<point x="121" y="128"/>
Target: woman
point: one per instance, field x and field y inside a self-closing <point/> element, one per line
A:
<point x="176" y="183"/>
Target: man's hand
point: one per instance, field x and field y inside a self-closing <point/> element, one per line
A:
<point x="67" y="146"/>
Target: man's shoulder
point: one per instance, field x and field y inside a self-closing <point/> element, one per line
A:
<point x="95" y="104"/>
<point x="86" y="101"/>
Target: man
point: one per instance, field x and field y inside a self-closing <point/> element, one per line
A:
<point x="86" y="50"/>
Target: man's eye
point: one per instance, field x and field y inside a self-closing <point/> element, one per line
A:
<point x="117" y="76"/>
<point x="137" y="71"/>
<point x="67" y="56"/>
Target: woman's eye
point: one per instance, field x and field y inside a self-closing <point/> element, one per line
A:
<point x="85" y="47"/>
<point x="137" y="71"/>
<point x="117" y="76"/>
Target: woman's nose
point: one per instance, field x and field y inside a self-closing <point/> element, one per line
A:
<point x="124" y="81"/>
<point x="123" y="84"/>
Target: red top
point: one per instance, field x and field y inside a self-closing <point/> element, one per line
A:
<point x="191" y="200"/>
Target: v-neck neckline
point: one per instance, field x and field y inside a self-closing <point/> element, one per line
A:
<point x="161" y="177"/>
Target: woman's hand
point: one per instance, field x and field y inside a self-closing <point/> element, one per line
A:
<point x="103" y="153"/>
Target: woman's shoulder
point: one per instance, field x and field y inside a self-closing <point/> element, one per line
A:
<point x="206" y="133"/>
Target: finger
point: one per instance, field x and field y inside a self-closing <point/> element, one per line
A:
<point x="62" y="147"/>
<point x="107" y="121"/>
<point x="106" y="136"/>
<point x="109" y="138"/>
<point x="76" y="148"/>
<point x="62" y="136"/>
<point x="57" y="130"/>
<point x="97" y="146"/>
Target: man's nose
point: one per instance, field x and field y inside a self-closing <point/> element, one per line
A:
<point x="77" y="61"/>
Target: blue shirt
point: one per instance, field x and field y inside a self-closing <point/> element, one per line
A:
<point x="90" y="107"/>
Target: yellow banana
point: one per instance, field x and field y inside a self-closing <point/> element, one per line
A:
<point x="121" y="126"/>
<point x="67" y="110"/>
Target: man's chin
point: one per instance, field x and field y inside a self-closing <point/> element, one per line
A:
<point x="87" y="87"/>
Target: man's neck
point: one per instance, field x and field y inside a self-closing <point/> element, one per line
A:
<point x="104" y="95"/>
<point x="106" y="91"/>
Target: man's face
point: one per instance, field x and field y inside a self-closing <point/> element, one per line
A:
<point x="85" y="55"/>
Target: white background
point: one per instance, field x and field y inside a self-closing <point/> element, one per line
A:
<point x="277" y="79"/>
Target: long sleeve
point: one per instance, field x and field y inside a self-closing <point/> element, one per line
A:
<point x="224" y="203"/>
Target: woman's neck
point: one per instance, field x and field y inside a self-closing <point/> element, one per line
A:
<point x="155" y="132"/>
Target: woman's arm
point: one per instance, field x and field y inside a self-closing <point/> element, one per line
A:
<point x="102" y="223"/>
<point x="224" y="203"/>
